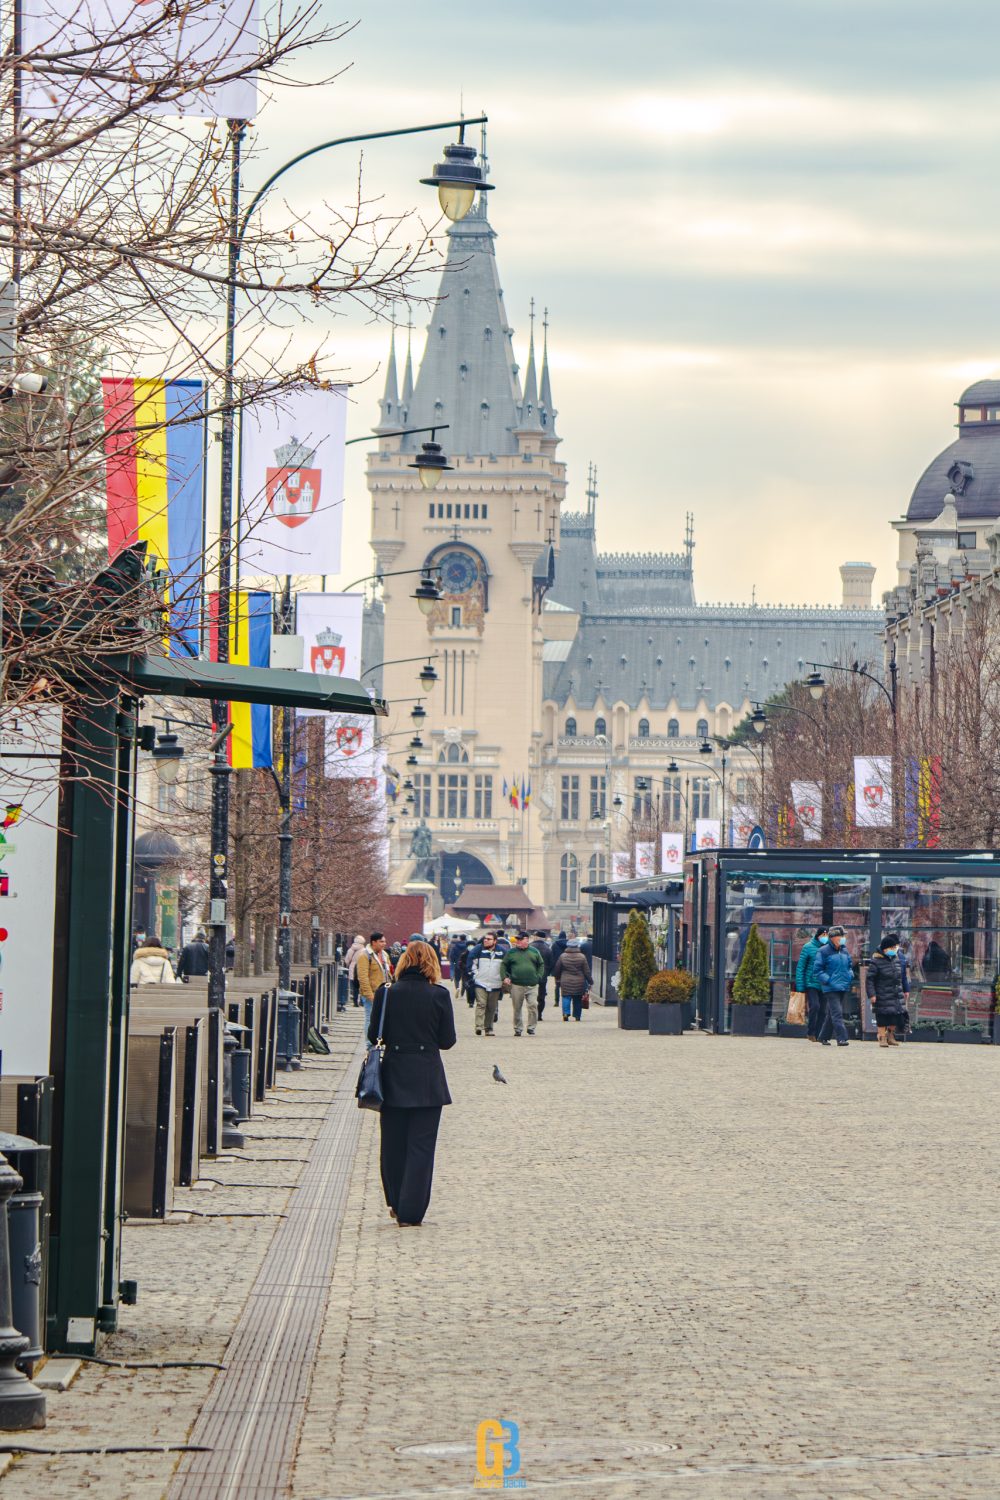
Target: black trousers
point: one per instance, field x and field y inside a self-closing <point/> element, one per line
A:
<point x="541" y="995"/>
<point x="409" y="1137"/>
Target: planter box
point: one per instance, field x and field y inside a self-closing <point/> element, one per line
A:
<point x="687" y="1013"/>
<point x="923" y="1034"/>
<point x="633" y="1015"/>
<point x="972" y="1038"/>
<point x="749" y="1020"/>
<point x="666" y="1018"/>
<point x="792" y="1028"/>
<point x="995" y="1030"/>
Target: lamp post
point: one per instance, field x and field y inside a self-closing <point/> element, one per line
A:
<point x="457" y="179"/>
<point x="817" y="689"/>
<point x="705" y="748"/>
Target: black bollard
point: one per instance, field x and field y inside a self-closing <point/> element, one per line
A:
<point x="232" y="1139"/>
<point x="24" y="1212"/>
<point x="289" y="1018"/>
<point x="22" y="1405"/>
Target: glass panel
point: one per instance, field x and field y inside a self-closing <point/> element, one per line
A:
<point x="948" y="928"/>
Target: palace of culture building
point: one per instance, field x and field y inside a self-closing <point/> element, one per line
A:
<point x="574" y="675"/>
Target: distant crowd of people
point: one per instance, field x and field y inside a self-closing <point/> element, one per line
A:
<point x="152" y="963"/>
<point x="825" y="973"/>
<point x="486" y="969"/>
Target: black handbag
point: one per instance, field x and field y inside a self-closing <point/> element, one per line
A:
<point x="369" y="1090"/>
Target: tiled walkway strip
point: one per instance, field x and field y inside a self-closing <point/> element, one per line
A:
<point x="252" y="1417"/>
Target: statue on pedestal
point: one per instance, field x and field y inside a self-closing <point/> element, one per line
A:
<point x="420" y="849"/>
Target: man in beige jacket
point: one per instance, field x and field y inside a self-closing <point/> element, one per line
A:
<point x="372" y="969"/>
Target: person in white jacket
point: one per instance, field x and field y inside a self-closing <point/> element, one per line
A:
<point x="151" y="964"/>
<point x="487" y="975"/>
<point x="351" y="957"/>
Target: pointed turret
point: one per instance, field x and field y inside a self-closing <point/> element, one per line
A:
<point x="389" y="414"/>
<point x="547" y="409"/>
<point x="407" y="395"/>
<point x="530" y="420"/>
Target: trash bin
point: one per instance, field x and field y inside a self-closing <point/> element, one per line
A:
<point x="343" y="989"/>
<point x="24" y="1211"/>
<point x="289" y="1031"/>
<point x="240" y="1072"/>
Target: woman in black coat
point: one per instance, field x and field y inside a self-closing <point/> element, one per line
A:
<point x="884" y="985"/>
<point x="419" y="1026"/>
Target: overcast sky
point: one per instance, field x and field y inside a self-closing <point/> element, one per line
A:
<point x="767" y="235"/>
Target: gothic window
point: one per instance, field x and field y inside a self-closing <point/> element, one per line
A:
<point x="483" y="789"/>
<point x="600" y="727"/>
<point x="673" y="730"/>
<point x="597" y="870"/>
<point x="571" y="729"/>
<point x="570" y="799"/>
<point x="598" y="797"/>
<point x="422" y="794"/>
<point x="702" y="729"/>
<point x="644" y="729"/>
<point x="454" y="755"/>
<point x="569" y="879"/>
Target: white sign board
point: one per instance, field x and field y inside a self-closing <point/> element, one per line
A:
<point x="672" y="853"/>
<point x="873" y="791"/>
<point x="29" y="803"/>
<point x="645" y="859"/>
<point x="707" y="833"/>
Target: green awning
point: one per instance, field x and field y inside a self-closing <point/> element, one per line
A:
<point x="178" y="677"/>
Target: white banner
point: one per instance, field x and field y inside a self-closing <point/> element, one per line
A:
<point x="621" y="866"/>
<point x="129" y="50"/>
<point x="350" y="747"/>
<point x="807" y="802"/>
<point x="707" y="833"/>
<point x="29" y="807"/>
<point x="330" y="625"/>
<point x="873" y="791"/>
<point x="742" y="822"/>
<point x="292" y="483"/>
<point x="672" y="853"/>
<point x="645" y="859"/>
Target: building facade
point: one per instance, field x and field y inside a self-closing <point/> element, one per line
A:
<point x="570" y="681"/>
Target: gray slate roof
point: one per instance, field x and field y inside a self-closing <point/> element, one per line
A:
<point x="977" y="486"/>
<point x="468" y="376"/>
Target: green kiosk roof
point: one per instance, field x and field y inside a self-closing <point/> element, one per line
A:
<point x="176" y="677"/>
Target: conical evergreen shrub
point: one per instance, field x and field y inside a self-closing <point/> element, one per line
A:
<point x="752" y="985"/>
<point x="638" y="960"/>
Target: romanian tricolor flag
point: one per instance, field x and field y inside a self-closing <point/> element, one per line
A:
<point x="515" y="793"/>
<point x="154" y="445"/>
<point x="251" y="623"/>
<point x="525" y="792"/>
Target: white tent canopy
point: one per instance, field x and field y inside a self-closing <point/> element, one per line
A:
<point x="449" y="926"/>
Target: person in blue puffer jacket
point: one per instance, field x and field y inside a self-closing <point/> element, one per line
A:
<point x="808" y="984"/>
<point x="833" y="968"/>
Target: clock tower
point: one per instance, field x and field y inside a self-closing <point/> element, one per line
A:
<point x="490" y="527"/>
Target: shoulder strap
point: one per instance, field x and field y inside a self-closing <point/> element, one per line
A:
<point x="384" y="987"/>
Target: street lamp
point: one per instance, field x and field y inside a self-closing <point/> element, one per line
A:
<point x="458" y="179"/>
<point x="167" y="756"/>
<point x="427" y="593"/>
<point x="617" y="802"/>
<point x="411" y="760"/>
<point x="816" y="686"/>
<point x="758" y="720"/>
<point x="430" y="463"/>
<point x="428" y="676"/>
<point x="416" y="743"/>
<point x="418" y="714"/>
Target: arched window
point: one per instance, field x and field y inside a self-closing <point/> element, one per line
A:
<point x="597" y="870"/>
<point x="644" y="729"/>
<point x="702" y="730"/>
<point x="673" y="730"/>
<point x="571" y="729"/>
<point x="600" y="727"/>
<point x="454" y="755"/>
<point x="569" y="879"/>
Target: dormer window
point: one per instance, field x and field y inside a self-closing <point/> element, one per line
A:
<point x="972" y="413"/>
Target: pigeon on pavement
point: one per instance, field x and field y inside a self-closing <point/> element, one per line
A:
<point x="498" y="1075"/>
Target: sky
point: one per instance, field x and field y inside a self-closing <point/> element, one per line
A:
<point x="767" y="235"/>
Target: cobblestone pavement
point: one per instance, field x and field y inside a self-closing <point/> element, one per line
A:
<point x="194" y="1273"/>
<point x="697" y="1265"/>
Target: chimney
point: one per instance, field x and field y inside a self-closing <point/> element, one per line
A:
<point x="856" y="581"/>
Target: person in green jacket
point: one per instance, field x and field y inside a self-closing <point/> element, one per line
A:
<point x="523" y="968"/>
<point x="808" y="984"/>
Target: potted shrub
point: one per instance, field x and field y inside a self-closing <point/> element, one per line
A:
<point x="636" y="968"/>
<point x="751" y="988"/>
<point x="666" y="993"/>
<point x="970" y="1033"/>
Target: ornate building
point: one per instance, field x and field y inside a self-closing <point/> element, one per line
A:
<point x="576" y="676"/>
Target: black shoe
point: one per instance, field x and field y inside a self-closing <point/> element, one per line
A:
<point x="479" y="1031"/>
<point x="824" y="1044"/>
<point x="843" y="1044"/>
<point x="531" y="1030"/>
<point x="489" y="1033"/>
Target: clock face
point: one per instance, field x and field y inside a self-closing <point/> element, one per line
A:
<point x="458" y="572"/>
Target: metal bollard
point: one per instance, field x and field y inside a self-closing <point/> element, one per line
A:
<point x="24" y="1226"/>
<point x="343" y="989"/>
<point x="22" y="1405"/>
<point x="241" y="1082"/>
<point x="232" y="1139"/>
<point x="289" y="1021"/>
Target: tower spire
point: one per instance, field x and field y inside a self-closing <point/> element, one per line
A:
<point x="591" y="490"/>
<point x="408" y="371"/>
<point x="530" y="416"/>
<point x="546" y="409"/>
<point x="389" y="410"/>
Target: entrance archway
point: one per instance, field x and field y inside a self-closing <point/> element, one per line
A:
<point x="466" y="869"/>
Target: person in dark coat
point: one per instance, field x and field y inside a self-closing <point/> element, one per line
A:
<point x="456" y="963"/>
<point x="419" y="1024"/>
<point x="884" y="985"/>
<point x="572" y="974"/>
<point x="193" y="962"/>
<point x="538" y="941"/>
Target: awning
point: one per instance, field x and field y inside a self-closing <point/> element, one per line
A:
<point x="177" y="677"/>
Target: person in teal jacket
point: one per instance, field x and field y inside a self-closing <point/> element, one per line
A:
<point x="834" y="969"/>
<point x="808" y="985"/>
